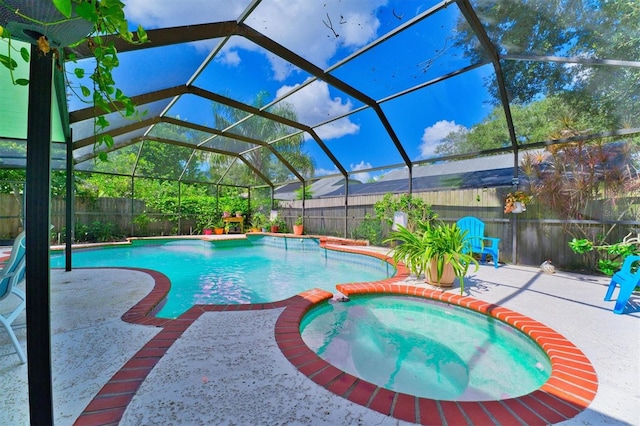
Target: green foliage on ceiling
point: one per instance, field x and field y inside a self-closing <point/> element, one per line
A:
<point x="102" y="18"/>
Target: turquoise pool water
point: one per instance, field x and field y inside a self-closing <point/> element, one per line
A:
<point x="426" y="348"/>
<point x="262" y="271"/>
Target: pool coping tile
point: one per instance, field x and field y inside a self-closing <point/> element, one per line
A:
<point x="404" y="408"/>
<point x="430" y="413"/>
<point x="362" y="392"/>
<point x="570" y="389"/>
<point x="382" y="401"/>
<point x="452" y="413"/>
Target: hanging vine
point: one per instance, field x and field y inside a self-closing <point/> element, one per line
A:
<point x="107" y="19"/>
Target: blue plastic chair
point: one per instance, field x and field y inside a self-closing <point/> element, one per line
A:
<point x="10" y="276"/>
<point x="627" y="280"/>
<point x="475" y="233"/>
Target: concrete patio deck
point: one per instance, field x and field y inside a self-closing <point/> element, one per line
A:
<point x="226" y="367"/>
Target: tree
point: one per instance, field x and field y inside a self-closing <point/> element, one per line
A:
<point x="160" y="162"/>
<point x="12" y="180"/>
<point x="578" y="181"/>
<point x="266" y="130"/>
<point x="415" y="208"/>
<point x="547" y="119"/>
<point x="304" y="193"/>
<point x="569" y="28"/>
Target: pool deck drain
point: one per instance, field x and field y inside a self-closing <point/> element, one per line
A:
<point x="570" y="389"/>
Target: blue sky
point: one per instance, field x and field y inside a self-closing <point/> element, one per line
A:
<point x="324" y="33"/>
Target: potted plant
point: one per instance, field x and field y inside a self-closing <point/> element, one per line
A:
<point x="410" y="248"/>
<point x="207" y="225"/>
<point x="218" y="226"/>
<point x="203" y="224"/>
<point x="516" y="202"/>
<point x="439" y="250"/>
<point x="258" y="221"/>
<point x="449" y="255"/>
<point x="298" y="227"/>
<point x="275" y="225"/>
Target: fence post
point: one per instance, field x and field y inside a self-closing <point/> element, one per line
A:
<point x="346" y="207"/>
<point x="69" y="205"/>
<point x="514" y="238"/>
<point x="179" y="210"/>
<point x="272" y="198"/>
<point x="131" y="210"/>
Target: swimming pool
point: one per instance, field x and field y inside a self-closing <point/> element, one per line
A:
<point x="425" y="348"/>
<point x="255" y="270"/>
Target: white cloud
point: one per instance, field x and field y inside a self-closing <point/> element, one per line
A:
<point x="153" y="14"/>
<point x="159" y="14"/>
<point x="301" y="26"/>
<point x="229" y="57"/>
<point x="337" y="129"/>
<point x="231" y="54"/>
<point x="308" y="27"/>
<point x="313" y="104"/>
<point x="325" y="172"/>
<point x="435" y="134"/>
<point x="579" y="73"/>
<point x="362" y="177"/>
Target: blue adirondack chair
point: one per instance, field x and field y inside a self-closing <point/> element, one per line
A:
<point x="475" y="233"/>
<point x="627" y="281"/>
<point x="11" y="275"/>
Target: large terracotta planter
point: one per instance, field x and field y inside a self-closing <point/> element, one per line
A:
<point x="298" y="229"/>
<point x="447" y="278"/>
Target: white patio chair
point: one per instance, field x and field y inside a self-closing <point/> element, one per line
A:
<point x="10" y="276"/>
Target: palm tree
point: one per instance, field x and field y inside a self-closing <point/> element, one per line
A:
<point x="265" y="130"/>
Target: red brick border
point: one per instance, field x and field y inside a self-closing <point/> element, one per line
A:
<point x="570" y="389"/>
<point x="109" y="405"/>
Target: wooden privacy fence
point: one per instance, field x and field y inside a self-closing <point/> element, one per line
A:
<point x="10" y="216"/>
<point x="528" y="238"/>
<point x="129" y="217"/>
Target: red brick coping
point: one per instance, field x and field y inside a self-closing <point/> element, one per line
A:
<point x="570" y="389"/>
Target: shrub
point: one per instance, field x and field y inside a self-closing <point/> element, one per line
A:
<point x="415" y="208"/>
<point x="369" y="229"/>
<point x="613" y="254"/>
<point x="96" y="232"/>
